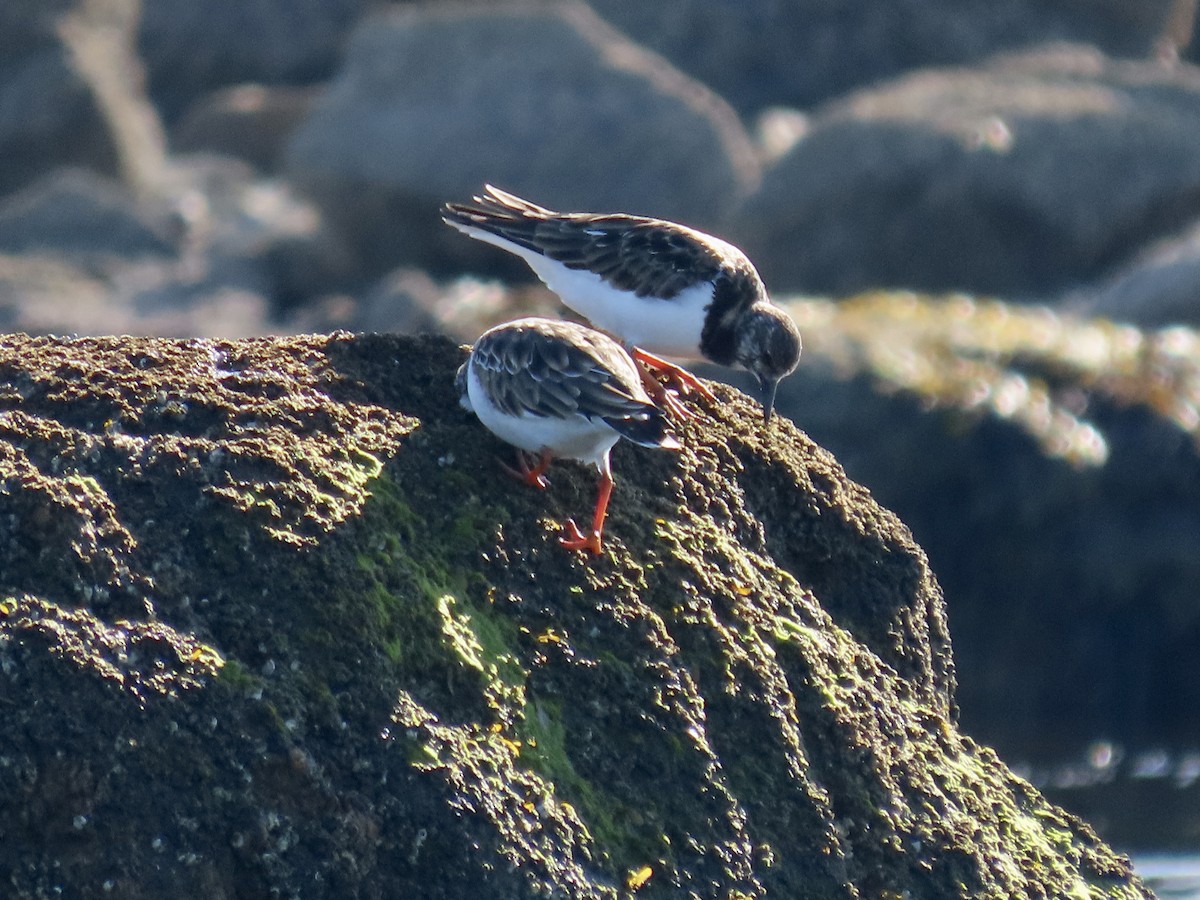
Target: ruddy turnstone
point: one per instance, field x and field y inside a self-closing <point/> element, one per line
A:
<point x="560" y="389"/>
<point x="658" y="286"/>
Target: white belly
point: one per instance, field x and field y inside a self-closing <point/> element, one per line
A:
<point x="573" y="438"/>
<point x="666" y="327"/>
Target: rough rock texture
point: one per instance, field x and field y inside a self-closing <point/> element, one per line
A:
<point x="1050" y="468"/>
<point x="542" y="99"/>
<point x="271" y="623"/>
<point x="761" y="53"/>
<point x="1019" y="178"/>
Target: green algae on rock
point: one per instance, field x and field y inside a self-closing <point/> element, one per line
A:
<point x="1049" y="465"/>
<point x="273" y="624"/>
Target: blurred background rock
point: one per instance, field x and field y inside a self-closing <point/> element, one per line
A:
<point x="212" y="167"/>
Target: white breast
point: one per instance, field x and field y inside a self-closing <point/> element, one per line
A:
<point x="573" y="438"/>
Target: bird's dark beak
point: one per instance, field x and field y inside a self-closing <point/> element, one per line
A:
<point x="769" y="388"/>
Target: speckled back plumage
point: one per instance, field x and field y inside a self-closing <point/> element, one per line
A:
<point x="547" y="368"/>
<point x="650" y="257"/>
<point x="662" y="288"/>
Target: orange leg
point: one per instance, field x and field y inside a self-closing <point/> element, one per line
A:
<point x="534" y="476"/>
<point x="665" y="400"/>
<point x="680" y="379"/>
<point x="577" y="540"/>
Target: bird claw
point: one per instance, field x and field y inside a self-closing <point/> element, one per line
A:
<point x="530" y="475"/>
<point x="669" y="402"/>
<point x="672" y="375"/>
<point x="577" y="540"/>
<point x="661" y="378"/>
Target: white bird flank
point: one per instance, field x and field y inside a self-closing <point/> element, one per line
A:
<point x="672" y="327"/>
<point x="587" y="440"/>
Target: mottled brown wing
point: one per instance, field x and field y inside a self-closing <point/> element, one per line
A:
<point x="529" y="370"/>
<point x="645" y="256"/>
<point x="633" y="253"/>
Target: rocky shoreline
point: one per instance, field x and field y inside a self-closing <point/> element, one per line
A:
<point x="272" y="625"/>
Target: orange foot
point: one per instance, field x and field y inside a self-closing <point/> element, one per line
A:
<point x="532" y="475"/>
<point x="577" y="540"/>
<point x="672" y="375"/>
<point x="667" y="401"/>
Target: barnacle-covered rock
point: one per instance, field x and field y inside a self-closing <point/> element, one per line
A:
<point x="271" y="623"/>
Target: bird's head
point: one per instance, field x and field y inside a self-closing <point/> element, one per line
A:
<point x="768" y="346"/>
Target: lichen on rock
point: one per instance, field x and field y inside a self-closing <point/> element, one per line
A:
<point x="273" y="622"/>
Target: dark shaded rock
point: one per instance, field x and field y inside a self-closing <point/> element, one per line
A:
<point x="762" y="53"/>
<point x="405" y="302"/>
<point x="78" y="214"/>
<point x="48" y="114"/>
<point x="305" y="265"/>
<point x="216" y="253"/>
<point x="270" y="620"/>
<point x="193" y="47"/>
<point x="250" y="121"/>
<point x="1020" y="178"/>
<point x="545" y="100"/>
<point x="1051" y="470"/>
<point x="44" y="295"/>
<point x="1159" y="287"/>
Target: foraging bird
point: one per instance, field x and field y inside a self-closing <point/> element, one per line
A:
<point x="561" y="389"/>
<point x="660" y="287"/>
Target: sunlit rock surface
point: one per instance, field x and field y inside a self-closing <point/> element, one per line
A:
<point x="272" y="622"/>
<point x="1050" y="466"/>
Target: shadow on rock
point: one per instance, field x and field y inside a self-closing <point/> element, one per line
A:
<point x="292" y="632"/>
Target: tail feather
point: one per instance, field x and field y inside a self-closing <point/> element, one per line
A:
<point x="498" y="218"/>
<point x="496" y="210"/>
<point x="649" y="430"/>
<point x="495" y="196"/>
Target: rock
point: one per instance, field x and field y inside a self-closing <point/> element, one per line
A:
<point x="408" y="301"/>
<point x="254" y="233"/>
<point x="216" y="254"/>
<point x="545" y="100"/>
<point x="194" y="47"/>
<point x="304" y="266"/>
<point x="1011" y="179"/>
<point x="249" y="121"/>
<point x="270" y="619"/>
<point x="1161" y="286"/>
<point x="1049" y="467"/>
<point x="40" y="295"/>
<point x="100" y="36"/>
<point x="70" y="93"/>
<point x="76" y="213"/>
<point x="44" y="295"/>
<point x="1179" y="34"/>
<point x="48" y="115"/>
<point x="763" y="53"/>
